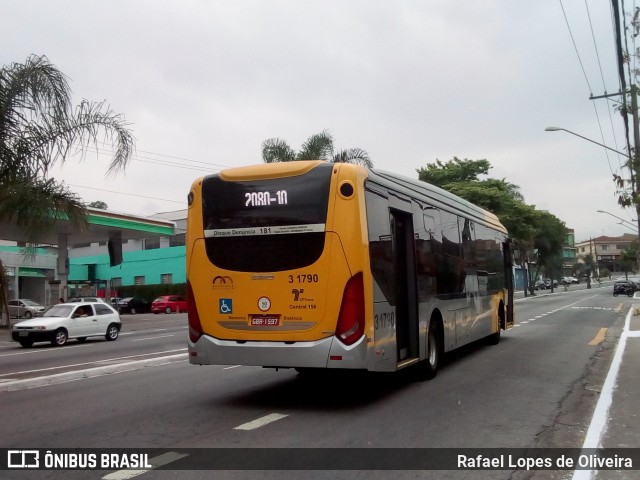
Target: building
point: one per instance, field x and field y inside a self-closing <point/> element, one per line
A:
<point x="607" y="251"/>
<point x="569" y="253"/>
<point x="70" y="262"/>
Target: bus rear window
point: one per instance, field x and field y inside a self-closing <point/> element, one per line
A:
<point x="266" y="225"/>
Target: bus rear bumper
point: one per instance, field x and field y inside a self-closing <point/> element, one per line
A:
<point x="325" y="353"/>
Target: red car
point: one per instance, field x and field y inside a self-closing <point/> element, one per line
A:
<point x="169" y="303"/>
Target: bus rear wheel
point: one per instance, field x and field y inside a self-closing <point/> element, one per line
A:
<point x="428" y="368"/>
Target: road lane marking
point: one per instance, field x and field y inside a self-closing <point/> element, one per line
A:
<point x="158" y="461"/>
<point x="260" y="422"/>
<point x="233" y="366"/>
<point x="106" y="360"/>
<point x="152" y="338"/>
<point x="74" y="375"/>
<point x="599" y="338"/>
<point x="45" y="350"/>
<point x="600" y="418"/>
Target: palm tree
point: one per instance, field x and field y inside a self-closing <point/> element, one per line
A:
<point x="317" y="147"/>
<point x="39" y="128"/>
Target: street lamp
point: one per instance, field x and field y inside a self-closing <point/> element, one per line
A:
<point x="556" y="129"/>
<point x="622" y="220"/>
<point x="631" y="168"/>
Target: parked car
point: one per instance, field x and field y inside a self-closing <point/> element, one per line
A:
<point x="569" y="280"/>
<point x="133" y="305"/>
<point x="69" y="320"/>
<point x="86" y="299"/>
<point x="169" y="303"/>
<point x="25" y="308"/>
<point x="540" y="285"/>
<point x="623" y="288"/>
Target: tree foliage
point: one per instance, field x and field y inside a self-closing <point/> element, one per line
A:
<point x="316" y="147"/>
<point x="98" y="204"/>
<point x="539" y="235"/>
<point x="38" y="129"/>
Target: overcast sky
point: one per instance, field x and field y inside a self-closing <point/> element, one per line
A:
<point x="203" y="83"/>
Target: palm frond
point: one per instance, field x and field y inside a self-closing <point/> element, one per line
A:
<point x="37" y="204"/>
<point x="317" y="147"/>
<point x="353" y="155"/>
<point x="277" y="150"/>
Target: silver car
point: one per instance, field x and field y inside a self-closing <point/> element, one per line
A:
<point x="25" y="308"/>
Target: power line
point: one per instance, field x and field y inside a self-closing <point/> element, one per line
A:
<point x="123" y="193"/>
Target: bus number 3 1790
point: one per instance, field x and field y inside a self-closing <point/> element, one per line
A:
<point x="305" y="278"/>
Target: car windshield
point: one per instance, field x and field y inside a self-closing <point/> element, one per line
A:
<point x="59" y="311"/>
<point x="159" y="299"/>
<point x="30" y="303"/>
<point x="128" y="299"/>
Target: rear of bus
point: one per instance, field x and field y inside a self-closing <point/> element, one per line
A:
<point x="277" y="266"/>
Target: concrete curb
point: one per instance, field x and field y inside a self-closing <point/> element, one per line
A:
<point x="28" y="383"/>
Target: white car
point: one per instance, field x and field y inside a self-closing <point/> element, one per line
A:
<point x="86" y="299"/>
<point x="69" y="320"/>
<point x="23" y="307"/>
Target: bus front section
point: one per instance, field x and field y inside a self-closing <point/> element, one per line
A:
<point x="275" y="267"/>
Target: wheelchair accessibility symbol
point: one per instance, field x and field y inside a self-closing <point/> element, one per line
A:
<point x="225" y="306"/>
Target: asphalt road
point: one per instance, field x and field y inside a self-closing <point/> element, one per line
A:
<point x="537" y="388"/>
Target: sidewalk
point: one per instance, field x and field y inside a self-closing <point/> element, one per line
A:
<point x="616" y="418"/>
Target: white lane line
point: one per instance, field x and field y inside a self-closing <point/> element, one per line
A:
<point x="233" y="366"/>
<point x="598" y="425"/>
<point x="152" y="338"/>
<point x="260" y="422"/>
<point x="158" y="461"/>
<point x="106" y="360"/>
<point x="46" y="350"/>
<point x="75" y="375"/>
<point x="144" y="331"/>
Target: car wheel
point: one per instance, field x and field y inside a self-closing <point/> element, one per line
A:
<point x="28" y="314"/>
<point x="82" y="339"/>
<point x="60" y="338"/>
<point x="26" y="343"/>
<point x="167" y="310"/>
<point x="112" y="332"/>
<point x="615" y="294"/>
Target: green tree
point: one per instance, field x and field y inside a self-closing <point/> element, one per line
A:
<point x="98" y="204"/>
<point x="38" y="129"/>
<point x="629" y="257"/>
<point x="538" y="235"/>
<point x="316" y="147"/>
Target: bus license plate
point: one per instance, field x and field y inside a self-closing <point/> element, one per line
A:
<point x="265" y="320"/>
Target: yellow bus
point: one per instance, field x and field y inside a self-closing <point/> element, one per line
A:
<point x="316" y="265"/>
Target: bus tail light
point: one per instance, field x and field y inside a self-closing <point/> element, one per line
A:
<point x="351" y="319"/>
<point x="195" y="328"/>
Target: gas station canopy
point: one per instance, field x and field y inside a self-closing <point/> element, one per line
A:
<point x="102" y="226"/>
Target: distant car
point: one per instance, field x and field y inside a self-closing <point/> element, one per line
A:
<point x="86" y="299"/>
<point x="623" y="288"/>
<point x="169" y="303"/>
<point x="548" y="282"/>
<point x="25" y="308"/>
<point x="540" y="285"/>
<point x="133" y="305"/>
<point x="569" y="280"/>
<point x="69" y="320"/>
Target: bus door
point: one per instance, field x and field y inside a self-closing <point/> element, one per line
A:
<point x="508" y="274"/>
<point x="405" y="280"/>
